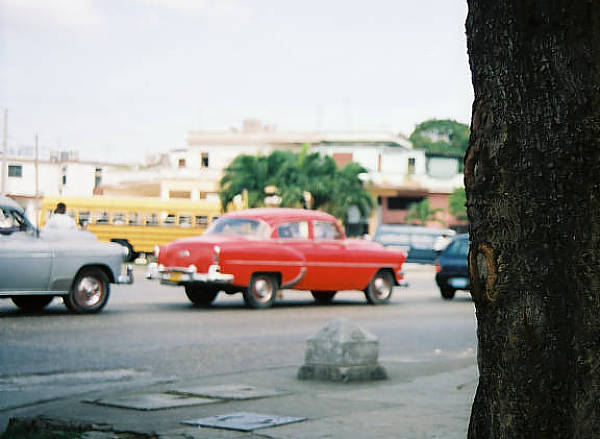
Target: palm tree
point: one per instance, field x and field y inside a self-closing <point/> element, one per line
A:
<point x="250" y="173"/>
<point x="294" y="174"/>
<point x="349" y="191"/>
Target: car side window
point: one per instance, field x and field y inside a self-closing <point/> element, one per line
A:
<point x="293" y="230"/>
<point x="326" y="230"/>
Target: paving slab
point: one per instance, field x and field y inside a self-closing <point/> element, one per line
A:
<point x="244" y="421"/>
<point x="420" y="400"/>
<point x="429" y="407"/>
<point x="152" y="401"/>
<point x="195" y="432"/>
<point x="230" y="391"/>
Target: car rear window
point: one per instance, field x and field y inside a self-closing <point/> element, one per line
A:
<point x="458" y="247"/>
<point x="247" y="227"/>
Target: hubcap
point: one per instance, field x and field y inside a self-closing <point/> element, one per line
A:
<point x="89" y="291"/>
<point x="263" y="290"/>
<point x="382" y="288"/>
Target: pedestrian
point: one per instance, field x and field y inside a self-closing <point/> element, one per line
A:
<point x="441" y="243"/>
<point x="60" y="220"/>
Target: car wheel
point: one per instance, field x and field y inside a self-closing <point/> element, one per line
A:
<point x="201" y="295"/>
<point x="89" y="292"/>
<point x="323" y="297"/>
<point x="32" y="303"/>
<point x="447" y="292"/>
<point x="261" y="291"/>
<point x="380" y="288"/>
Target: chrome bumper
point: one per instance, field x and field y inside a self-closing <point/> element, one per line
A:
<point x="178" y="275"/>
<point x="126" y="278"/>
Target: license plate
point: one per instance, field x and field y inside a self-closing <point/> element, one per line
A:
<point x="175" y="277"/>
<point x="458" y="282"/>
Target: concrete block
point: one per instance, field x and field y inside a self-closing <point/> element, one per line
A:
<point x="342" y="351"/>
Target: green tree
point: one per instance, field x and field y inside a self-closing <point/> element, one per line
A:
<point x="442" y="137"/>
<point x="422" y="213"/>
<point x="349" y="191"/>
<point x="458" y="204"/>
<point x="250" y="173"/>
<point x="294" y="174"/>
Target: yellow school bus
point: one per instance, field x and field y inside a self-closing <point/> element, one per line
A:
<point x="137" y="223"/>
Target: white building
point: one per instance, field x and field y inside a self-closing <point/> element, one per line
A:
<point x="28" y="179"/>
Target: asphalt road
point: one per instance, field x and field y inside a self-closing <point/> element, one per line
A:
<point x="151" y="332"/>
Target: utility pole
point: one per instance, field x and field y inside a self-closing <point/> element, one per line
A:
<point x="4" y="189"/>
<point x="37" y="183"/>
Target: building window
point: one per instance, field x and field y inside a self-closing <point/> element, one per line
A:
<point x="401" y="203"/>
<point x="15" y="171"/>
<point x="181" y="163"/>
<point x="98" y="178"/>
<point x="204" y="159"/>
<point x="412" y="164"/>
<point x="180" y="194"/>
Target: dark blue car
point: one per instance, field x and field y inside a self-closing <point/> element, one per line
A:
<point x="453" y="268"/>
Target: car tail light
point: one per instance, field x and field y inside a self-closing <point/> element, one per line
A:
<point x="216" y="254"/>
<point x="438" y="267"/>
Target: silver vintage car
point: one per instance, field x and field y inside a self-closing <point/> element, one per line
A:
<point x="37" y="265"/>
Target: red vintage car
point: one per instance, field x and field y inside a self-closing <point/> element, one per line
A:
<point x="259" y="251"/>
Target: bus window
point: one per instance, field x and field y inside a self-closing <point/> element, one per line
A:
<point x="201" y="221"/>
<point x="152" y="219"/>
<point x="119" y="218"/>
<point x="135" y="219"/>
<point x="169" y="220"/>
<point x="185" y="220"/>
<point x="85" y="217"/>
<point x="103" y="218"/>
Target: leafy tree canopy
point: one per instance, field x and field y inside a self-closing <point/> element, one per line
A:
<point x="295" y="175"/>
<point x="458" y="204"/>
<point x="422" y="213"/>
<point x="444" y="137"/>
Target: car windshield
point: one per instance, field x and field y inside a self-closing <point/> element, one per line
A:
<point x="249" y="228"/>
<point x="12" y="221"/>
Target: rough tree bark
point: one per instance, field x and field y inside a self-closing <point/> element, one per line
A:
<point x="532" y="173"/>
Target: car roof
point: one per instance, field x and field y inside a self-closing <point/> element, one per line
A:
<point x="9" y="202"/>
<point x="407" y="228"/>
<point x="278" y="214"/>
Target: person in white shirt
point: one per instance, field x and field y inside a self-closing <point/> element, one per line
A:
<point x="441" y="243"/>
<point x="60" y="220"/>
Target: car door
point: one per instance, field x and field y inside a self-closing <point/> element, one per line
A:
<point x="25" y="259"/>
<point x="295" y="235"/>
<point x="327" y="258"/>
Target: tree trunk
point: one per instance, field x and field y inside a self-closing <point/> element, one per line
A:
<point x="532" y="173"/>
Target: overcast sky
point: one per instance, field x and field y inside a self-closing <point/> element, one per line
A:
<point x="117" y="79"/>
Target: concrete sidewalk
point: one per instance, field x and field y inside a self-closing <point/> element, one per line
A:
<point x="428" y="399"/>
